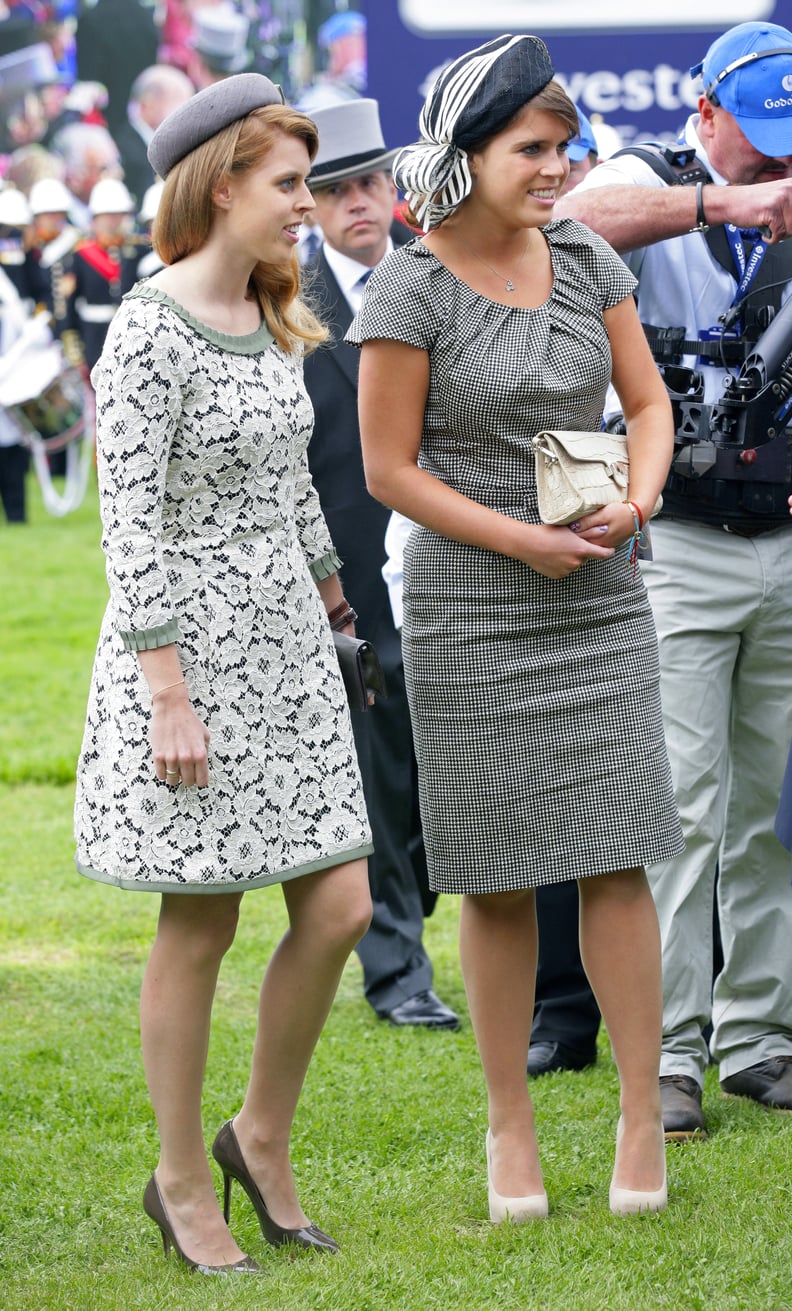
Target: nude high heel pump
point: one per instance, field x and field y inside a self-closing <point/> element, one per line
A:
<point x="516" y="1209"/>
<point x="154" y="1207"/>
<point x="630" y="1201"/>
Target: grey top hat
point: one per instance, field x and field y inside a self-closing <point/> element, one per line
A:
<point x="220" y="37"/>
<point x="207" y="113"/>
<point x="350" y="143"/>
<point x="21" y="70"/>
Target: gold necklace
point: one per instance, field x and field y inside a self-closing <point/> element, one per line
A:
<point x="509" y="285"/>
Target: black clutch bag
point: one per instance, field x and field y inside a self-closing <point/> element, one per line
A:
<point x="360" y="670"/>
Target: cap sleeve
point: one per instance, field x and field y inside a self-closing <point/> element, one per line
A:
<point x="589" y="261"/>
<point x="402" y="301"/>
<point x="613" y="278"/>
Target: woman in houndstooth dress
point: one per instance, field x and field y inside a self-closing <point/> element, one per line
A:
<point x="529" y="650"/>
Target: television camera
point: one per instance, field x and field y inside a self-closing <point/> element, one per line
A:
<point x="725" y="438"/>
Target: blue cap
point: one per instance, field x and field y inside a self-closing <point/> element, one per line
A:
<point x="581" y="145"/>
<point x="349" y="23"/>
<point x="748" y="71"/>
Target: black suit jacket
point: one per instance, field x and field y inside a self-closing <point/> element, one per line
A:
<point x="392" y="950"/>
<point x="138" y="173"/>
<point x="356" y="521"/>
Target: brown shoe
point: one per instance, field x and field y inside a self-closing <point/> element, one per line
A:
<point x="769" y="1083"/>
<point x="680" y="1099"/>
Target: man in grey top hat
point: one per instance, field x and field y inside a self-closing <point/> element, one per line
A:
<point x="355" y="196"/>
<point x="219" y="44"/>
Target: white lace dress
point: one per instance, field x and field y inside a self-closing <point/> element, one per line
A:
<point x="213" y="537"/>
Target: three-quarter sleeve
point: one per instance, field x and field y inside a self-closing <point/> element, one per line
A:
<point x="312" y="529"/>
<point x="139" y="396"/>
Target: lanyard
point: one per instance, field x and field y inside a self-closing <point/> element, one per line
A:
<point x="747" y="266"/>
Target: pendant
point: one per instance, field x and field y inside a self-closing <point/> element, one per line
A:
<point x="509" y="285"/>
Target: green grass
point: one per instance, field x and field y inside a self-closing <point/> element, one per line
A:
<point x="388" y="1143"/>
<point x="53" y="594"/>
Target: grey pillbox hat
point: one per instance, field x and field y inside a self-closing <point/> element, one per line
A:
<point x="207" y="113"/>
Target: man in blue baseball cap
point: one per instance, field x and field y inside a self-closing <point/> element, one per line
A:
<point x="748" y="72"/>
<point x="714" y="267"/>
<point x="343" y="38"/>
<point x="582" y="153"/>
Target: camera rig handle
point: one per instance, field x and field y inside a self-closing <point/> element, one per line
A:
<point x="755" y="407"/>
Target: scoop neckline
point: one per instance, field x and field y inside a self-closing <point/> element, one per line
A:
<point x="501" y="304"/>
<point x="248" y="343"/>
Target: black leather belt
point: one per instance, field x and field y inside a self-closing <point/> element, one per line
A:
<point x="750" y="530"/>
<point x="738" y="530"/>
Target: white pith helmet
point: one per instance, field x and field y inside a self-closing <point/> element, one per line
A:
<point x="49" y="196"/>
<point x="150" y="203"/>
<point x="14" y="208"/>
<point x="110" y="196"/>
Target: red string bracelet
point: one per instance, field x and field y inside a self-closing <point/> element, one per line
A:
<point x="637" y="536"/>
<point x="637" y="512"/>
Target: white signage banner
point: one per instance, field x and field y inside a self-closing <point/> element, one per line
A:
<point x="447" y="17"/>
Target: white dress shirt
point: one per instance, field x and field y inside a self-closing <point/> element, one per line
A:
<point x="348" y="272"/>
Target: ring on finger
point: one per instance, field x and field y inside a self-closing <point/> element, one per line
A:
<point x="172" y="773"/>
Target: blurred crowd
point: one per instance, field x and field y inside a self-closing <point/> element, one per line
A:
<point x="83" y="87"/>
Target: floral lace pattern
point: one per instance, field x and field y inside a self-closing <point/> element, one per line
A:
<point x="213" y="537"/>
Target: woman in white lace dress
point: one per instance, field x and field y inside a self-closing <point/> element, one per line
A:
<point x="218" y="751"/>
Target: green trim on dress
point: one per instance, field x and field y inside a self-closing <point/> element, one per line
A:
<point x="209" y="889"/>
<point x="327" y="565"/>
<point x="249" y="343"/>
<point x="148" y="639"/>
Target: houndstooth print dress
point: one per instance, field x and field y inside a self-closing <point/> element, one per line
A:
<point x="535" y="702"/>
<point x="213" y="537"/>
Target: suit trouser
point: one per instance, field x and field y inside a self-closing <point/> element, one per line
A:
<point x="14" y="461"/>
<point x="566" y="1010"/>
<point x="723" y="609"/>
<point x="395" y="963"/>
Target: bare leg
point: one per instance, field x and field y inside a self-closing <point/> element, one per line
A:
<point x="328" y="913"/>
<point x="498" y="950"/>
<point x="620" y="948"/>
<point x="193" y="934"/>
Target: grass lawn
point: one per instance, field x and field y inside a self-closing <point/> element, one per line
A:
<point x="389" y="1139"/>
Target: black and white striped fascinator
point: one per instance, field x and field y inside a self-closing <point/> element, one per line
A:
<point x="471" y="100"/>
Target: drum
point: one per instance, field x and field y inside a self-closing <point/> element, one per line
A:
<point x="50" y="408"/>
<point x="46" y="399"/>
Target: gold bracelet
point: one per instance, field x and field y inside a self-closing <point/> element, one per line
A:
<point x="178" y="683"/>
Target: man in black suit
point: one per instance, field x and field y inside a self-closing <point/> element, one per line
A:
<point x="355" y="196"/>
<point x="155" y="93"/>
<point x="116" y="40"/>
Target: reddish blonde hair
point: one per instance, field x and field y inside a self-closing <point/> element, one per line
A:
<point x="186" y="214"/>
